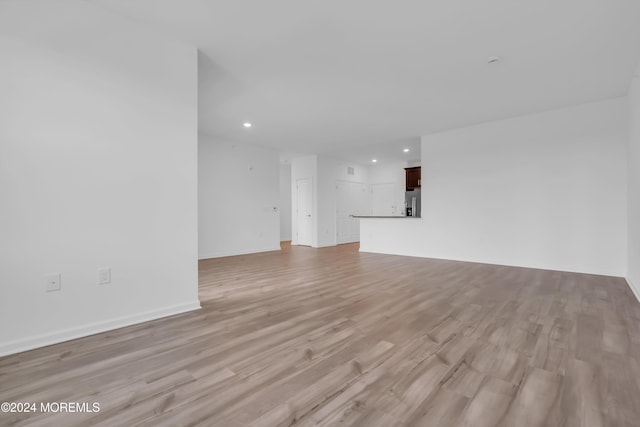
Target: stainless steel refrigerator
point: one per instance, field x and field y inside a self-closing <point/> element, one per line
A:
<point x="413" y="202"/>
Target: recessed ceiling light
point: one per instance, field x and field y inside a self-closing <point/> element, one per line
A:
<point x="246" y="124"/>
<point x="406" y="150"/>
<point x="374" y="160"/>
<point x="494" y="60"/>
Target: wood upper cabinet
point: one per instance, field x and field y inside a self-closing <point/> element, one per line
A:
<point x="414" y="177"/>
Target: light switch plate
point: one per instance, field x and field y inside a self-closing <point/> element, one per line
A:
<point x="52" y="282"/>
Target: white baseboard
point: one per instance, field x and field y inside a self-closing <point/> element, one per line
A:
<point x="634" y="288"/>
<point x="324" y="245"/>
<point x="238" y="252"/>
<point x="550" y="267"/>
<point x="56" y="337"/>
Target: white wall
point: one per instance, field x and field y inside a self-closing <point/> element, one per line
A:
<point x="285" y="202"/>
<point x="302" y="168"/>
<point x="238" y="189"/>
<point x="98" y="146"/>
<point x="545" y="190"/>
<point x="633" y="215"/>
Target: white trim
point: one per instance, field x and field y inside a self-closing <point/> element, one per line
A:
<point x="326" y="245"/>
<point x="634" y="288"/>
<point x="56" y="337"/>
<point x="564" y="269"/>
<point x="238" y="252"/>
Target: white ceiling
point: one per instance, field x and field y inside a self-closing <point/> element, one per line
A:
<point x="322" y="75"/>
<point x="384" y="153"/>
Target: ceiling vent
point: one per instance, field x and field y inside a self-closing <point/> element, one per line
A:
<point x="350" y="170"/>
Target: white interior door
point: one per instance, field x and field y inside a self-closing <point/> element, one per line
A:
<point x="343" y="219"/>
<point x="351" y="199"/>
<point x="303" y="211"/>
<point x="383" y="199"/>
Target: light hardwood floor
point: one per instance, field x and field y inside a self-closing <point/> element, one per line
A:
<point x="337" y="337"/>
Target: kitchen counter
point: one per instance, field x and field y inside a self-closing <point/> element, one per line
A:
<point x="383" y="216"/>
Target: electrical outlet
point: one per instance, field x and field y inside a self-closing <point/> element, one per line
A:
<point x="52" y="282"/>
<point x="104" y="276"/>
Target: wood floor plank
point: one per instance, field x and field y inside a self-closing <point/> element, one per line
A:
<point x="488" y="407"/>
<point x="445" y="410"/>
<point x="536" y="402"/>
<point x="333" y="336"/>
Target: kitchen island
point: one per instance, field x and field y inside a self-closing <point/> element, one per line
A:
<point x="384" y="234"/>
